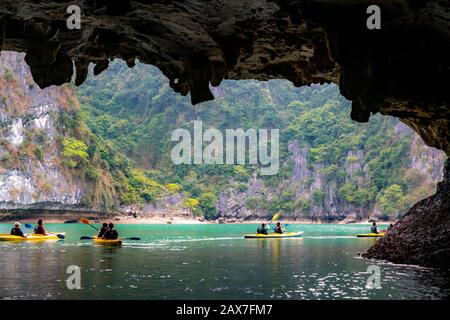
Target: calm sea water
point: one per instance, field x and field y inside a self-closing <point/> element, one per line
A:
<point x="209" y="262"/>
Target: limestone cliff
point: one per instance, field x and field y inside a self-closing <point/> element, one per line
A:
<point x="424" y="163"/>
<point x="39" y="167"/>
<point x="31" y="174"/>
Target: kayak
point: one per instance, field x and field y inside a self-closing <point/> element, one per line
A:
<point x="274" y="235"/>
<point x="370" y="235"/>
<point x="115" y="242"/>
<point x="31" y="237"/>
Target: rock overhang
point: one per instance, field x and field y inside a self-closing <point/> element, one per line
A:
<point x="399" y="70"/>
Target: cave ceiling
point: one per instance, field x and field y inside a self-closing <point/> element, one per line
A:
<point x="400" y="69"/>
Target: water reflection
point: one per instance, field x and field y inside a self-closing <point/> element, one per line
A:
<point x="209" y="263"/>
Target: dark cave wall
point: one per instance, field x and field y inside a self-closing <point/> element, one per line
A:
<point x="422" y="236"/>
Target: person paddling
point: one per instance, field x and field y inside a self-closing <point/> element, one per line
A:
<point x="278" y="228"/>
<point x="103" y="230"/>
<point x="374" y="228"/>
<point x="262" y="229"/>
<point x="39" y="229"/>
<point x="111" y="233"/>
<point x="16" y="231"/>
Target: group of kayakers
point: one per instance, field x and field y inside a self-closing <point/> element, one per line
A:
<point x="38" y="229"/>
<point x="263" y="229"/>
<point x="107" y="232"/>
<point x="374" y="228"/>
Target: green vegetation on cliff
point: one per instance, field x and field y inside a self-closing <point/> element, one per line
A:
<point x="134" y="112"/>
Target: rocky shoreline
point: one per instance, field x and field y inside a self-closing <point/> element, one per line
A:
<point x="422" y="236"/>
<point x="72" y="216"/>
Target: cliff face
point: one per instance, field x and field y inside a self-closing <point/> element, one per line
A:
<point x="305" y="181"/>
<point x="331" y="168"/>
<point x="31" y="174"/>
<point x="49" y="160"/>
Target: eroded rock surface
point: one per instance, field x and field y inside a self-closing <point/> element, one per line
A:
<point x="31" y="173"/>
<point x="422" y="236"/>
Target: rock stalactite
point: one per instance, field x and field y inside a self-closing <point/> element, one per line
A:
<point x="399" y="70"/>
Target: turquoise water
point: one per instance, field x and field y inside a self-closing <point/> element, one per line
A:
<point x="209" y="262"/>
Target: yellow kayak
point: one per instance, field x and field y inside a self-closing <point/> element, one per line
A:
<point x="115" y="242"/>
<point x="370" y="235"/>
<point x="31" y="237"/>
<point x="274" y="235"/>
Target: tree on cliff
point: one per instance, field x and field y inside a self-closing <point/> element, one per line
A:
<point x="391" y="200"/>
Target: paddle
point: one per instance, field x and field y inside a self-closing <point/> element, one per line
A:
<point x="275" y="217"/>
<point x="86" y="221"/>
<point x="30" y="226"/>
<point x="90" y="238"/>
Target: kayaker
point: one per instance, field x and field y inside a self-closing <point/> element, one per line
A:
<point x="111" y="233"/>
<point x="374" y="228"/>
<point x="262" y="229"/>
<point x="16" y="231"/>
<point x="39" y="229"/>
<point x="103" y="230"/>
<point x="278" y="228"/>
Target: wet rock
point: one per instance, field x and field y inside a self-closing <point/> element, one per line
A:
<point x="71" y="221"/>
<point x="422" y="236"/>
